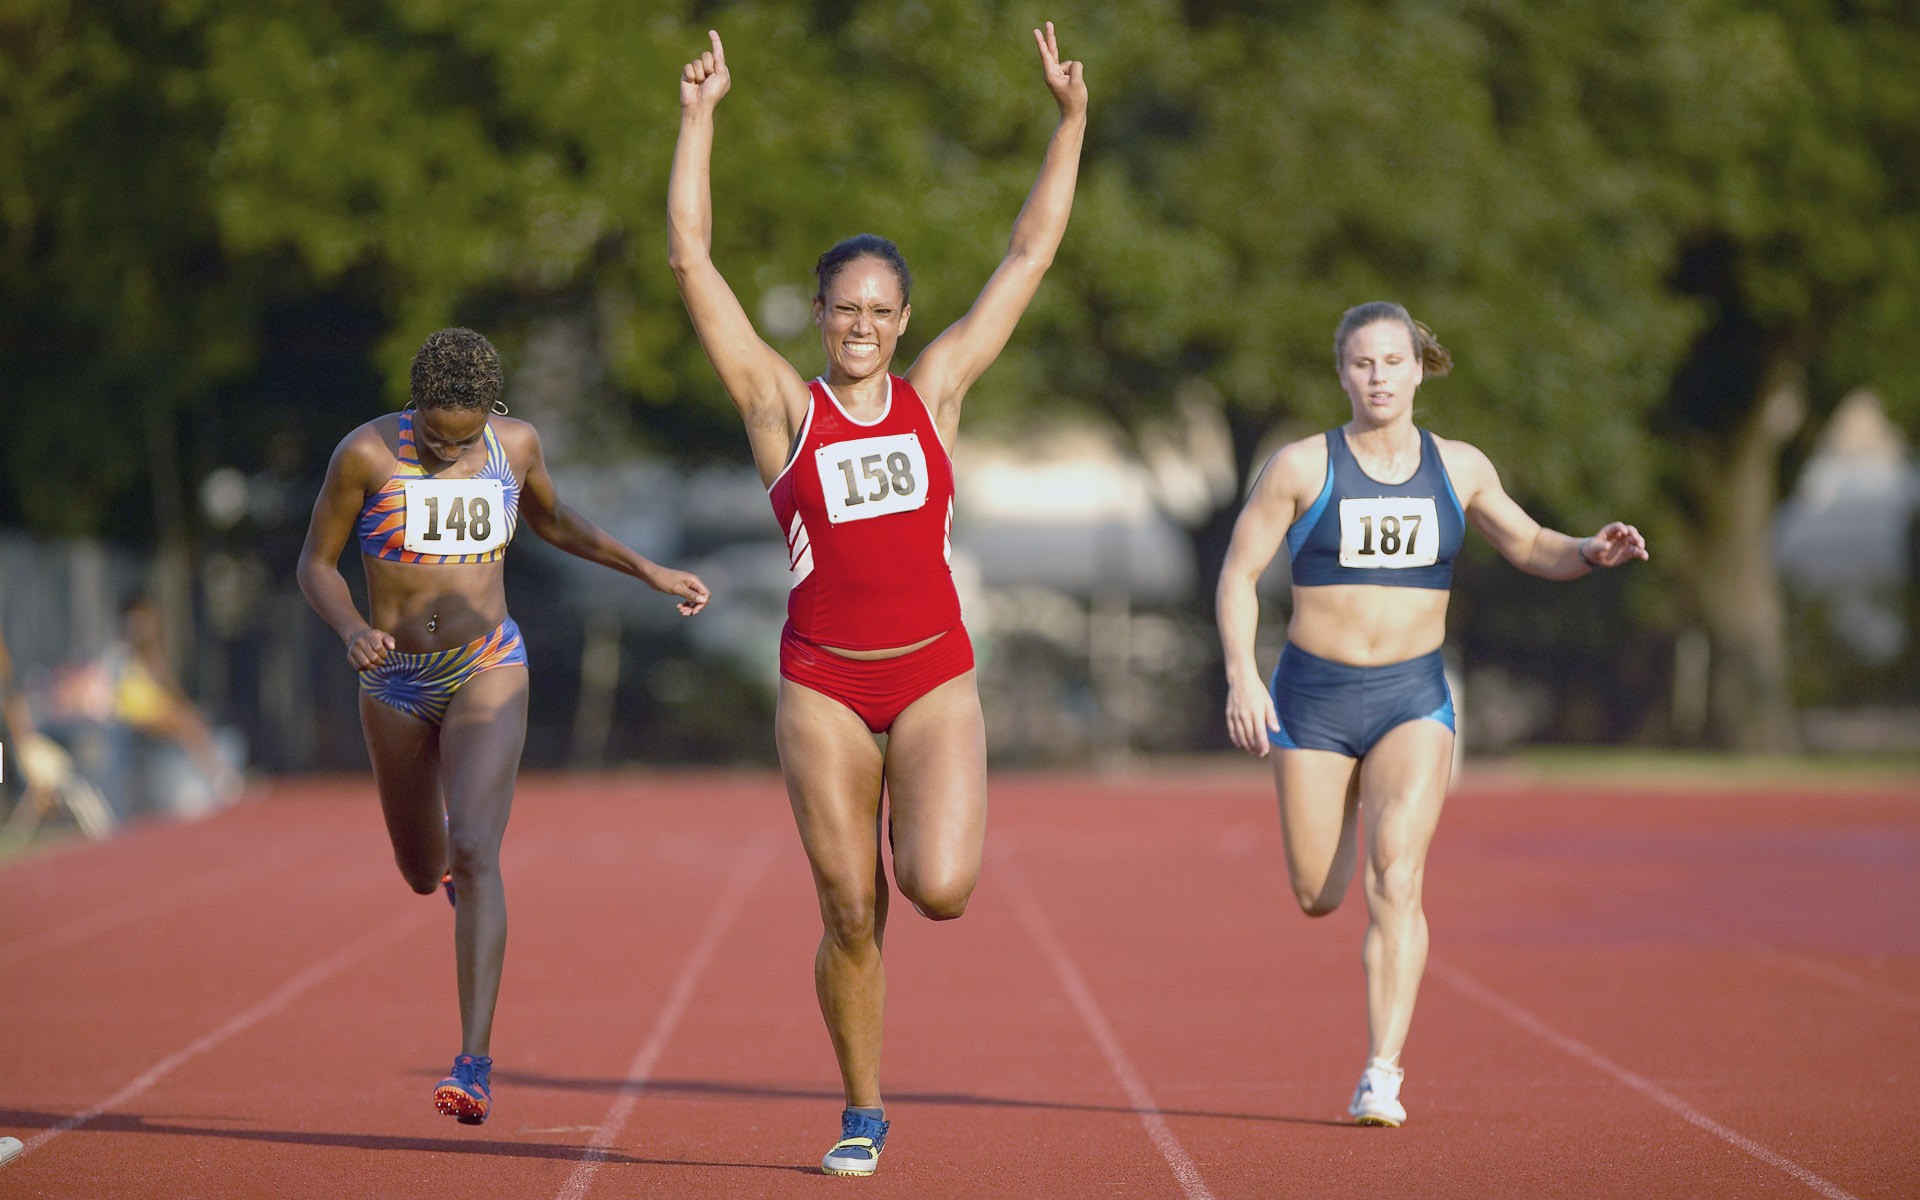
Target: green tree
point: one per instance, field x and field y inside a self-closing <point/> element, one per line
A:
<point x="1782" y="131"/>
<point x="1661" y="238"/>
<point x="118" y="312"/>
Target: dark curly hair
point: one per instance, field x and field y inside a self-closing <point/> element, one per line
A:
<point x="863" y="245"/>
<point x="456" y="368"/>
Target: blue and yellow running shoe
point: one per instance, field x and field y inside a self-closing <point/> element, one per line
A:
<point x="858" y="1150"/>
<point x="466" y="1095"/>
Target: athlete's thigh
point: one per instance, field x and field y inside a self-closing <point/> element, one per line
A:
<point x="481" y="738"/>
<point x="1403" y="786"/>
<point x="937" y="781"/>
<point x="1318" y="795"/>
<point x="405" y="753"/>
<point x="832" y="768"/>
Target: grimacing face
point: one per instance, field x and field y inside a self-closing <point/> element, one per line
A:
<point x="1380" y="370"/>
<point x="861" y="318"/>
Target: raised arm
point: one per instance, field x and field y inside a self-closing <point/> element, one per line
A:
<point x="766" y="389"/>
<point x="562" y="526"/>
<point x="948" y="367"/>
<point x="1519" y="538"/>
<point x="334" y="512"/>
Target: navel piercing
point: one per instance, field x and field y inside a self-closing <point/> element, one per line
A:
<point x="433" y="622"/>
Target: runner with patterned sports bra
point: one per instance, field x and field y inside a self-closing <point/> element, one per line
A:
<point x="856" y="465"/>
<point x="1358" y="721"/>
<point x="433" y="494"/>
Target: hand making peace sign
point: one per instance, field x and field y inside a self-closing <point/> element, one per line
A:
<point x="1064" y="79"/>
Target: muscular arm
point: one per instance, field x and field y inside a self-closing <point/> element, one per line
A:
<point x="1519" y="538"/>
<point x="1257" y="534"/>
<point x="766" y="389"/>
<point x="349" y="478"/>
<point x="950" y="365"/>
<point x="564" y="527"/>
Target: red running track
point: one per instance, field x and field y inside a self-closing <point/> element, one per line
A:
<point x="1687" y="992"/>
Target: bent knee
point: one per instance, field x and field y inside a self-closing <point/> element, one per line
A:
<point x="1317" y="904"/>
<point x="939" y="900"/>
<point x="943" y="908"/>
<point x="419" y="876"/>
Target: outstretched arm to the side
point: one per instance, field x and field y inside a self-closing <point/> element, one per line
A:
<point x="1523" y="541"/>
<point x="564" y="527"/>
<point x="766" y="389"/>
<point x="948" y="367"/>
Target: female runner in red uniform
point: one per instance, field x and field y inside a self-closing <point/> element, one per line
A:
<point x="433" y="494"/>
<point x="857" y="467"/>
<point x="1358" y="720"/>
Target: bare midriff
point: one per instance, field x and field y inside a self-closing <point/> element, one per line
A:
<point x="1368" y="626"/>
<point x="891" y="652"/>
<point x="435" y="606"/>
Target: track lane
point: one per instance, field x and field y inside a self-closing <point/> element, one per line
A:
<point x="1750" y="954"/>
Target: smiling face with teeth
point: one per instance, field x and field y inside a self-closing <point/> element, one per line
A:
<point x="861" y="315"/>
<point x="1380" y="370"/>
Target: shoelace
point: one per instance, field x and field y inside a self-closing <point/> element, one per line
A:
<point x="1380" y="1079"/>
<point x="471" y="1070"/>
<point x="860" y="1125"/>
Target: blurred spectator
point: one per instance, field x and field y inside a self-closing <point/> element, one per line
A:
<point x="44" y="772"/>
<point x="135" y="733"/>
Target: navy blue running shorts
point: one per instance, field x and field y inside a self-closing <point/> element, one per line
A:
<point x="1325" y="705"/>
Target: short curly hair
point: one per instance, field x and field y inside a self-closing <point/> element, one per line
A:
<point x="456" y="368"/>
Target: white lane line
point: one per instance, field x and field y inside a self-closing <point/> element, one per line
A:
<point x="1144" y="1105"/>
<point x="290" y="991"/>
<point x="140" y="908"/>
<point x="739" y="890"/>
<point x="1473" y="989"/>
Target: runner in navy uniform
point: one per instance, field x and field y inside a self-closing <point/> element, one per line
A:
<point x="1357" y="720"/>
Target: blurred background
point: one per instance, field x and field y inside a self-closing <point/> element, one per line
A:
<point x="1673" y="245"/>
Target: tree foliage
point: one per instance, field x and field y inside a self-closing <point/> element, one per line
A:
<point x="1634" y="224"/>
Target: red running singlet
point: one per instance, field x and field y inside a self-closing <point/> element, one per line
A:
<point x="867" y="510"/>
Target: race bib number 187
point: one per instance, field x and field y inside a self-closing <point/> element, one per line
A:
<point x="455" y="516"/>
<point x="1389" y="532"/>
<point x="871" y="477"/>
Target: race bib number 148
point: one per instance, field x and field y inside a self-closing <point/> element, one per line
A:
<point x="1389" y="532"/>
<point x="455" y="516"/>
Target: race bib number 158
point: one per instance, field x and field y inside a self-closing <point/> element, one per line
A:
<point x="871" y="477"/>
<point x="1389" y="532"/>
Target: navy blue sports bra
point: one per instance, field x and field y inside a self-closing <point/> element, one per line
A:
<point x="1363" y="531"/>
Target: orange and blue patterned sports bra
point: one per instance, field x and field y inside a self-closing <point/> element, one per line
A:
<point x="418" y="518"/>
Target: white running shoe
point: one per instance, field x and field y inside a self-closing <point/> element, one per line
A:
<point x="1376" y="1101"/>
<point x="858" y="1151"/>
